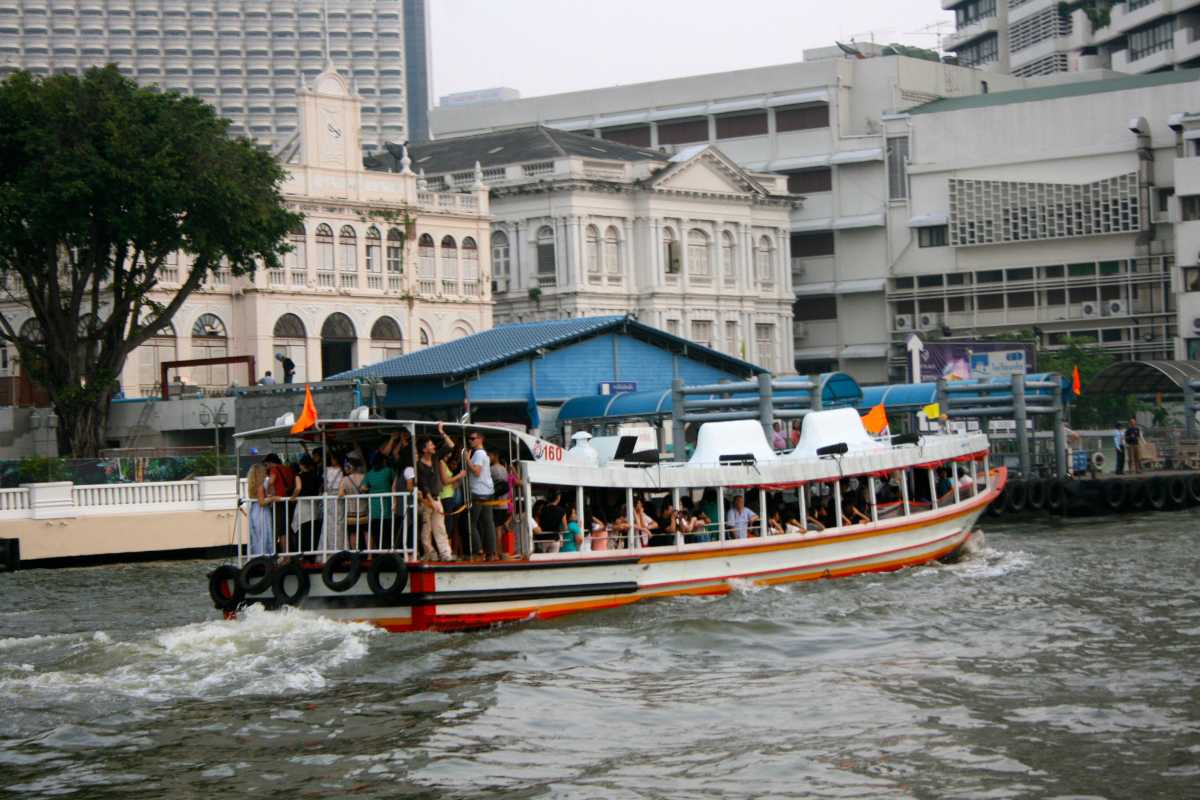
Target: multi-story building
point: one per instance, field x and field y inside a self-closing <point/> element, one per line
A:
<point x="692" y="244"/>
<point x="348" y="294"/>
<point x="248" y="58"/>
<point x="418" y="70"/>
<point x="1028" y="38"/>
<point x="1015" y="219"/>
<point x="819" y="123"/>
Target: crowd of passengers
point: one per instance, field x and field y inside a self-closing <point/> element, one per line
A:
<point x="354" y="498"/>
<point x="656" y="521"/>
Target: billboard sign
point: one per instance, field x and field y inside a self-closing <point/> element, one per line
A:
<point x="960" y="361"/>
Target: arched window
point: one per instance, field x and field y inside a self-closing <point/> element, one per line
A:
<point x="547" y="270"/>
<point x="374" y="250"/>
<point x="210" y="340"/>
<point x="289" y="343"/>
<point x="672" y="262"/>
<point x="338" y="328"/>
<point x="612" y="252"/>
<point x="150" y="357"/>
<point x="424" y="338"/>
<point x="699" y="263"/>
<point x="427" y="264"/>
<point x="460" y="331"/>
<point x="470" y="267"/>
<point x="449" y="265"/>
<point x="337" y="344"/>
<point x="592" y="254"/>
<point x="31" y="331"/>
<point x="386" y="340"/>
<point x="763" y="256"/>
<point x="395" y="251"/>
<point x="324" y="247"/>
<point x="501" y="262"/>
<point x="297" y="257"/>
<point x="729" y="258"/>
<point x="347" y="249"/>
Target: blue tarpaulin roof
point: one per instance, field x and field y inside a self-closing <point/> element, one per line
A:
<point x="915" y="396"/>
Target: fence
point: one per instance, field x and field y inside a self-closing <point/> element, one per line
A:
<point x="63" y="499"/>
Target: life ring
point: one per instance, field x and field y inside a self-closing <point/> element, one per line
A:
<point x="1156" y="494"/>
<point x="279" y="583"/>
<point x="1177" y="491"/>
<point x="225" y="589"/>
<point x="1035" y="495"/>
<point x="342" y="561"/>
<point x="1017" y="495"/>
<point x="1194" y="488"/>
<point x="1098" y="460"/>
<point x="1056" y="495"/>
<point x="381" y="566"/>
<point x="1116" y="494"/>
<point x="255" y="576"/>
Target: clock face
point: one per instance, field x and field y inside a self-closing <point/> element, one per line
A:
<point x="333" y="136"/>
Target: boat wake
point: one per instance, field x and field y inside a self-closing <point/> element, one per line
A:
<point x="261" y="653"/>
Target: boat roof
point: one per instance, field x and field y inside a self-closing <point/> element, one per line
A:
<point x="338" y="429"/>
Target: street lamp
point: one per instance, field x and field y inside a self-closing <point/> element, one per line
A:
<point x="218" y="420"/>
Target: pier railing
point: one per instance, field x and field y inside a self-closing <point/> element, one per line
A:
<point x="65" y="500"/>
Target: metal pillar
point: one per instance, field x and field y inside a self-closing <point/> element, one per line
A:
<point x="1060" y="432"/>
<point x="1019" y="417"/>
<point x="766" y="405"/>
<point x="1189" y="408"/>
<point x="943" y="401"/>
<point x="678" y="451"/>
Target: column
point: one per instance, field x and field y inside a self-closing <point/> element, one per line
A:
<point x="655" y="260"/>
<point x="626" y="254"/>
<point x="685" y="272"/>
<point x="515" y="279"/>
<point x="580" y="256"/>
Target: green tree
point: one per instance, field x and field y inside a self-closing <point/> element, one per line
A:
<point x="100" y="181"/>
<point x="1089" y="410"/>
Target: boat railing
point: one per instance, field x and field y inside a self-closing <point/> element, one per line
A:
<point x="317" y="527"/>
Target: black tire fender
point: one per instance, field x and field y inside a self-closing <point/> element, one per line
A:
<point x="249" y="578"/>
<point x="1116" y="494"/>
<point x="1017" y="496"/>
<point x="1177" y="491"/>
<point x="343" y="560"/>
<point x="1035" y="494"/>
<point x="225" y="588"/>
<point x="381" y="566"/>
<point x="1194" y="488"/>
<point x="1156" y="494"/>
<point x="1056" y="495"/>
<point x="279" y="584"/>
<point x="1138" y="496"/>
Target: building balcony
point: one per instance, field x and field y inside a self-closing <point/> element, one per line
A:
<point x="1152" y="62"/>
<point x="971" y="32"/>
<point x="1187" y="44"/>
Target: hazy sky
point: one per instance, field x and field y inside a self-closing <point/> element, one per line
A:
<point x="548" y="46"/>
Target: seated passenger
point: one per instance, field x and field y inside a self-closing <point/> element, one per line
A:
<point x="643" y="523"/>
<point x="552" y="522"/>
<point x="775" y="523"/>
<point x="670" y="524"/>
<point x="599" y="534"/>
<point x="573" y="541"/>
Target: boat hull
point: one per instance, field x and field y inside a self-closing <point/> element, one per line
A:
<point x="457" y="596"/>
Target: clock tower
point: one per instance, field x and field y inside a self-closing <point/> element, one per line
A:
<point x="330" y="120"/>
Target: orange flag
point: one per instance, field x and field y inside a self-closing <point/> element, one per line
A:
<point x="308" y="417"/>
<point x="1076" y="384"/>
<point x="875" y="420"/>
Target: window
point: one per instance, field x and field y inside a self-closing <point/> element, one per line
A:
<point x="636" y="136"/>
<point x="1151" y="39"/>
<point x="764" y="270"/>
<point x="684" y="131"/>
<point x="1189" y="208"/>
<point x="1049" y="23"/>
<point x="324" y="247"/>
<point x="593" y="254"/>
<point x="932" y="236"/>
<point x="374" y="250"/>
<point x="809" y="245"/>
<point x="673" y="327"/>
<point x="1163" y="199"/>
<point x="395" y="251"/>
<point x="702" y="332"/>
<point x="810" y="181"/>
<point x="210" y="340"/>
<point x="981" y="51"/>
<point x="974" y="11"/>
<point x="801" y="118"/>
<point x="735" y="125"/>
<point x="764" y="335"/>
<point x="897" y="158"/>
<point x="449" y="265"/>
<point x="501" y="262"/>
<point x="386" y="340"/>
<point x="612" y="251"/>
<point x="296" y="258"/>
<point x="815" y="307"/>
<point x="732" y="346"/>
<point x="546" y="268"/>
<point x="427" y="261"/>
<point x="699" y="263"/>
<point x="347" y="249"/>
<point x="672" y="261"/>
<point x="729" y="258"/>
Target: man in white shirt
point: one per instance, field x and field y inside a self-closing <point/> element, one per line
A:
<point x="267" y="380"/>
<point x="479" y="480"/>
<point x="740" y="518"/>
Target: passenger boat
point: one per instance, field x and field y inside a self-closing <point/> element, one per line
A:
<point x="383" y="581"/>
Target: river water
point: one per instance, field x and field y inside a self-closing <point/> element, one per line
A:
<point x="1062" y="660"/>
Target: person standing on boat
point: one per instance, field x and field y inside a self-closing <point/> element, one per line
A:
<point x="552" y="521"/>
<point x="778" y="438"/>
<point x="1133" y="447"/>
<point x="434" y="542"/>
<point x="740" y="518"/>
<point x="1119" y="446"/>
<point x="258" y="486"/>
<point x="479" y="480"/>
<point x="306" y="522"/>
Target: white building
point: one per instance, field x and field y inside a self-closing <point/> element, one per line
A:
<point x="1052" y="209"/>
<point x="1028" y="38"/>
<point x="245" y="57"/>
<point x="349" y="293"/>
<point x="817" y="122"/>
<point x="496" y="94"/>
<point x="692" y="244"/>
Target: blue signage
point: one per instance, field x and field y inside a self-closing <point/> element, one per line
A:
<point x="617" y="387"/>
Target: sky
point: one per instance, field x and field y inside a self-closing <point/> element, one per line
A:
<point x="549" y="46"/>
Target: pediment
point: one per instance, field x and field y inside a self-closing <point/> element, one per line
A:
<point x="707" y="173"/>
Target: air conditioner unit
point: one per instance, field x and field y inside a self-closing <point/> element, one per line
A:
<point x="1115" y="308"/>
<point x="1089" y="309"/>
<point x="928" y="322"/>
<point x="904" y="322"/>
<point x="801" y="330"/>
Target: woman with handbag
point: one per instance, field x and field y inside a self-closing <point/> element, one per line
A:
<point x="352" y="500"/>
